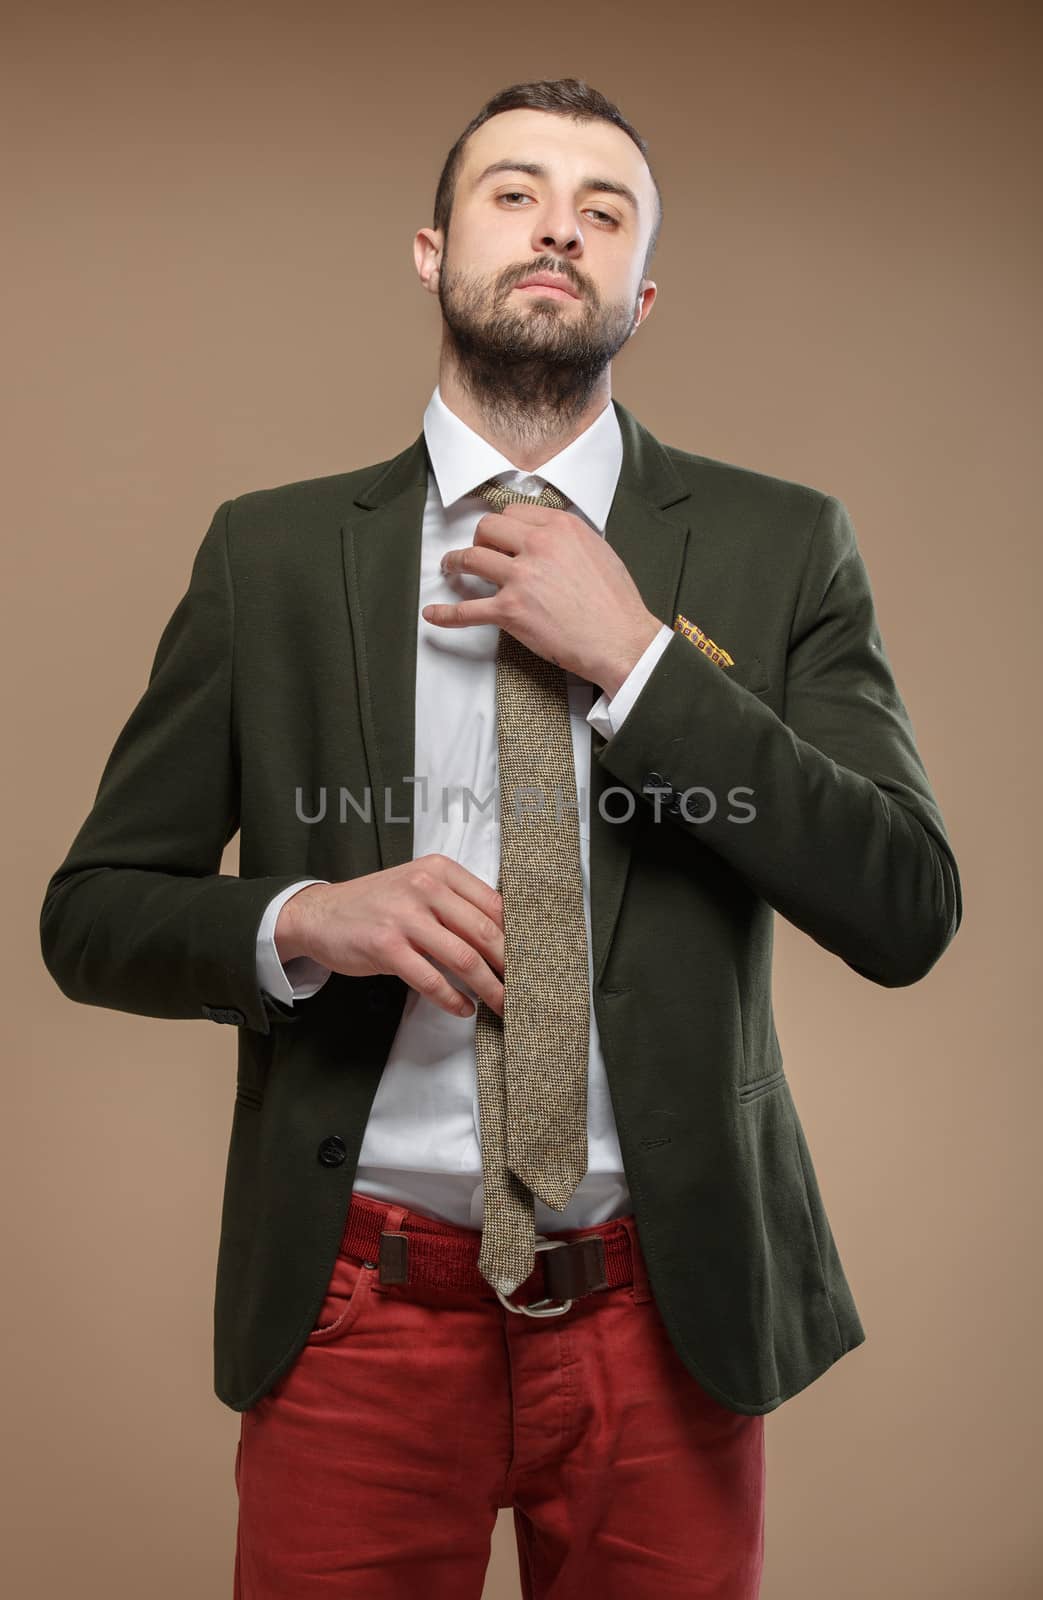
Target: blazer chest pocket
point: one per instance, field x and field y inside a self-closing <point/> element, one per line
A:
<point x="751" y="674"/>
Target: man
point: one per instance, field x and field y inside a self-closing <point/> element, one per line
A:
<point x="518" y="1207"/>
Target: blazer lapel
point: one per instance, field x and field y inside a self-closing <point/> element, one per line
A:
<point x="381" y="548"/>
<point x="647" y="526"/>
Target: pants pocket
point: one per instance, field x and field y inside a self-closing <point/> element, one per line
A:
<point x="346" y="1296"/>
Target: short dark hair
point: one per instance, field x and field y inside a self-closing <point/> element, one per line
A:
<point x="567" y="97"/>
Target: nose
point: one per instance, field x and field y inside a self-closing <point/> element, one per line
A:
<point x="558" y="234"/>
<point x="571" y="246"/>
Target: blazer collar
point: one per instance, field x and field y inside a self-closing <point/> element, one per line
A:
<point x="647" y="526"/>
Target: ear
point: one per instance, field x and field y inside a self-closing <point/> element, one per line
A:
<point x="427" y="253"/>
<point x="645" y="301"/>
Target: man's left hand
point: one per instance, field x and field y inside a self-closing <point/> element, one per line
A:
<point x="562" y="591"/>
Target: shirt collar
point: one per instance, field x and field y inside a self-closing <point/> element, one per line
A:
<point x="586" y="471"/>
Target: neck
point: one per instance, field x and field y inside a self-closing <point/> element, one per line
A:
<point x="526" y="438"/>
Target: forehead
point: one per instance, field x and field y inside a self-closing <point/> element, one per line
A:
<point x="572" y="151"/>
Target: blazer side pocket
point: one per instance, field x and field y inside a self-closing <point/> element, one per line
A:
<point x="758" y="1086"/>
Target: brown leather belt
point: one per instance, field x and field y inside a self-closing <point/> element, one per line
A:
<point x="447" y="1258"/>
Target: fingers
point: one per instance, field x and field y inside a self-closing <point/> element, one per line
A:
<point x="461" y="926"/>
<point x="480" y="561"/>
<point x="431" y="937"/>
<point x="435" y="910"/>
<point x="479" y="931"/>
<point x="470" y="887"/>
<point x="413" y="968"/>
<point x="464" y="614"/>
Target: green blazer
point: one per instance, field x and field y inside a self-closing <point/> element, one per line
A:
<point x="290" y="664"/>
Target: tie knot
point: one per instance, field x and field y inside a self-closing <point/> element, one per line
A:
<point x="499" y="496"/>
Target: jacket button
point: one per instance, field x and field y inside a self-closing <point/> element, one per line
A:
<point x="332" y="1151"/>
<point x="655" y="780"/>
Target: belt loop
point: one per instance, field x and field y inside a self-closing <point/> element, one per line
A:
<point x="640" y="1289"/>
<point x="394" y="1247"/>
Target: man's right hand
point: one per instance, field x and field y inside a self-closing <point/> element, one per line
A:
<point x="393" y="921"/>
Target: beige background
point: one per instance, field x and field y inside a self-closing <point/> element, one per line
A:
<point x="210" y="289"/>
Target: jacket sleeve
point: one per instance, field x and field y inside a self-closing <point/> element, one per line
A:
<point x="845" y="838"/>
<point x="138" y="916"/>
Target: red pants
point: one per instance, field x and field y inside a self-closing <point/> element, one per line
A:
<point x="375" y="1466"/>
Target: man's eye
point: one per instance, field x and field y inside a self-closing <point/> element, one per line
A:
<point x="519" y="194"/>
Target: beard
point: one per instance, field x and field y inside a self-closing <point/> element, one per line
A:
<point x="533" y="368"/>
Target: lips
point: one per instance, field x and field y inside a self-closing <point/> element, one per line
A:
<point x="549" y="280"/>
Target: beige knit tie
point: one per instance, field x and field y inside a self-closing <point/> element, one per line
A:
<point x="532" y="1062"/>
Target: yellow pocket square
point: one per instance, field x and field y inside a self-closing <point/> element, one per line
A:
<point x="702" y="641"/>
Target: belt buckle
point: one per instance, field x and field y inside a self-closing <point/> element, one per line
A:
<point x="540" y="1308"/>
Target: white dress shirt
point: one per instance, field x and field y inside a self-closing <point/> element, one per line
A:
<point x="421" y="1145"/>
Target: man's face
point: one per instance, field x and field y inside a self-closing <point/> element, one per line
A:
<point x="584" y="217"/>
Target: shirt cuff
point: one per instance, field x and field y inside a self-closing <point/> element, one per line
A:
<point x="297" y="979"/>
<point x="607" y="716"/>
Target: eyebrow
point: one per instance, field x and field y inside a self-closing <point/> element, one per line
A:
<point x="536" y="170"/>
